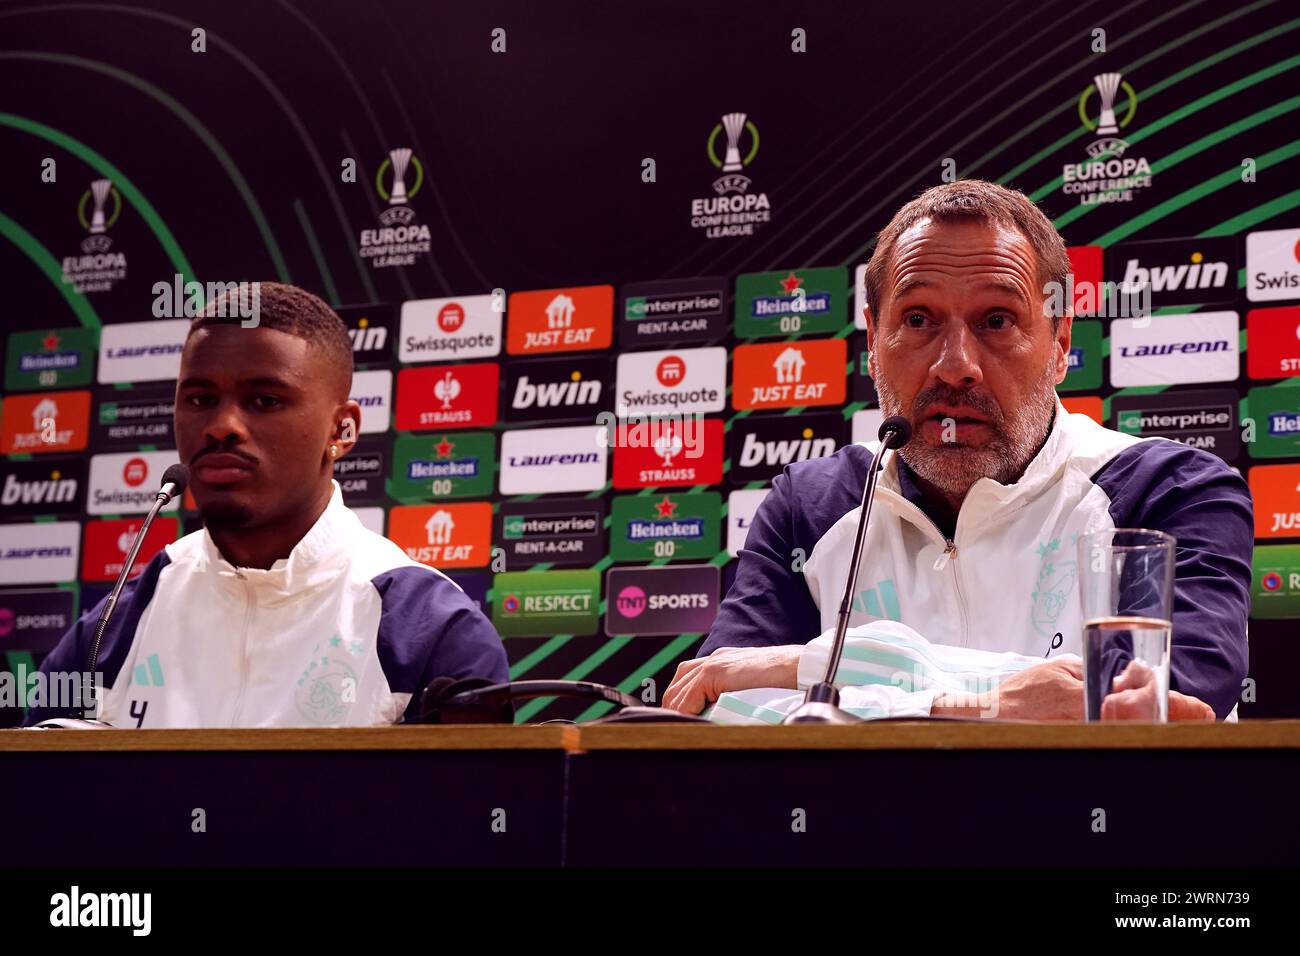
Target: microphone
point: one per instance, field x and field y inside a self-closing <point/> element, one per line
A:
<point x="821" y="705"/>
<point x="174" y="481"/>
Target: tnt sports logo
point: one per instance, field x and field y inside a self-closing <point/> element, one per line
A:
<point x="631" y="601"/>
<point x="1108" y="176"/>
<point x="733" y="210"/>
<point x="1274" y="337"/>
<point x="670" y="371"/>
<point x="53" y="422"/>
<point x="780" y="375"/>
<point x="1272" y="265"/>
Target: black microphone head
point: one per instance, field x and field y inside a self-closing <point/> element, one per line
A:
<point x="895" y="431"/>
<point x="177" y="475"/>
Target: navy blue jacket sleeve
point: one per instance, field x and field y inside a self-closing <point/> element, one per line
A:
<point x="69" y="655"/>
<point x="1206" y="506"/>
<point x="769" y="603"/>
<point x="428" y="628"/>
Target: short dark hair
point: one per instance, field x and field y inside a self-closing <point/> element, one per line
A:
<point x="286" y="308"/>
<point x="978" y="200"/>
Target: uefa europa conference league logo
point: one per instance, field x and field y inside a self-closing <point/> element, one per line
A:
<point x="98" y="267"/>
<point x="734" y="210"/>
<point x="1110" y="174"/>
<point x="400" y="238"/>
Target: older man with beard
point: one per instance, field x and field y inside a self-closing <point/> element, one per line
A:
<point x="970" y="552"/>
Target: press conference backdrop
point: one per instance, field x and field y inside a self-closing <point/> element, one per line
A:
<point x="530" y="214"/>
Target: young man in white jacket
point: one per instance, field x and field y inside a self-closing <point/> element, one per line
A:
<point x="284" y="610"/>
<point x="968" y="568"/>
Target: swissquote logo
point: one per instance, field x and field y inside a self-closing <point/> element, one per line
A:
<point x="735" y="208"/>
<point x="1111" y="173"/>
<point x="543" y="460"/>
<point x="373" y="391"/>
<point x="399" y="238"/>
<point x="683" y="381"/>
<point x="98" y="267"/>
<point x="1174" y="349"/>
<point x="44" y="553"/>
<point x="141" y="351"/>
<point x="127" y="482"/>
<point x="1273" y="265"/>
<point x="441" y="330"/>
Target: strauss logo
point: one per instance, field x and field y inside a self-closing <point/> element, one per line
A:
<point x="446" y="390"/>
<point x="668" y="445"/>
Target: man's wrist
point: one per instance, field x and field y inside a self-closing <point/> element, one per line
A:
<point x="957" y="705"/>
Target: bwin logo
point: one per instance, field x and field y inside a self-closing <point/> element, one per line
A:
<point x="368" y="338"/>
<point x="556" y="394"/>
<point x="1198" y="274"/>
<point x="755" y="452"/>
<point x="55" y="490"/>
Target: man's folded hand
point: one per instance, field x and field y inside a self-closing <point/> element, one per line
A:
<point x="700" y="682"/>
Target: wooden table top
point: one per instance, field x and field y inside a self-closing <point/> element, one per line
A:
<point x="887" y="735"/>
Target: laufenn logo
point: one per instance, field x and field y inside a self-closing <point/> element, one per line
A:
<point x="75" y="908"/>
